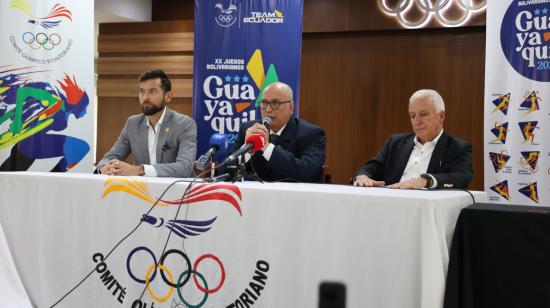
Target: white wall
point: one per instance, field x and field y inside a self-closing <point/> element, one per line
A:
<point x="131" y="10"/>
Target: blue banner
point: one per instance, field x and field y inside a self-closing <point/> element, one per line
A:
<point x="241" y="46"/>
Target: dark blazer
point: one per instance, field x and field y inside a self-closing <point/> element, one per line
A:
<point x="298" y="156"/>
<point x="451" y="162"/>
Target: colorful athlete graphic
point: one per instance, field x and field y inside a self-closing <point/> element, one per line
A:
<point x="531" y="102"/>
<point x="502" y="189"/>
<point x="34" y="110"/>
<point x="530" y="191"/>
<point x="527" y="130"/>
<point x="502" y="103"/>
<point x="499" y="159"/>
<point x="529" y="160"/>
<point x="53" y="19"/>
<point x="500" y="131"/>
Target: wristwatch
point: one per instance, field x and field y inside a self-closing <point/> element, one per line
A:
<point x="429" y="180"/>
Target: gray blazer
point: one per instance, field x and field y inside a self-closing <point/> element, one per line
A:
<point x="176" y="146"/>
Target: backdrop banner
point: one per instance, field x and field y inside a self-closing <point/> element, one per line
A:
<point x="46" y="85"/>
<point x="517" y="93"/>
<point x="241" y="46"/>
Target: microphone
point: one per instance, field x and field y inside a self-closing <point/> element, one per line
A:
<point x="266" y="121"/>
<point x="219" y="143"/>
<point x="253" y="143"/>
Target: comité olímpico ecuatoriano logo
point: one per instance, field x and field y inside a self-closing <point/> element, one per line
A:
<point x="525" y="38"/>
<point x="226" y="15"/>
<point x="43" y="40"/>
<point x="178" y="276"/>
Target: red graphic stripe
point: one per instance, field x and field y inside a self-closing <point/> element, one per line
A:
<point x="221" y="196"/>
<point x="199" y="189"/>
<point x="59" y="11"/>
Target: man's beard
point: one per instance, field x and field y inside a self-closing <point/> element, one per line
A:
<point x="149" y="109"/>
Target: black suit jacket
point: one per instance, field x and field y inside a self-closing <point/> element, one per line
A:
<point x="451" y="162"/>
<point x="298" y="156"/>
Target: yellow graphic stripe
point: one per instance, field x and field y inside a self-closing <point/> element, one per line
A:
<point x="23" y="6"/>
<point x="255" y="68"/>
<point x="135" y="188"/>
<point x="138" y="185"/>
<point x="14" y="139"/>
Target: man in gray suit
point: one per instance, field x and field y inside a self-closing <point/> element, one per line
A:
<point x="162" y="142"/>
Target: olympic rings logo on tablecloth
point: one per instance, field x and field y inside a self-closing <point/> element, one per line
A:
<point x="41" y="40"/>
<point x="182" y="279"/>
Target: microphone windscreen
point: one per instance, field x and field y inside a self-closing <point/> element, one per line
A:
<point x="257" y="140"/>
<point x="222" y="143"/>
<point x="266" y="121"/>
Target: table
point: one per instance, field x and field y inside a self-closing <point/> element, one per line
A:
<point x="500" y="258"/>
<point x="253" y="244"/>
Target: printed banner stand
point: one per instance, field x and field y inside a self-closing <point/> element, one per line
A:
<point x="241" y="46"/>
<point x="46" y="116"/>
<point x="517" y="93"/>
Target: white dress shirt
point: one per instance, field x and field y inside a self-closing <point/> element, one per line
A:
<point x="420" y="159"/>
<point x="152" y="140"/>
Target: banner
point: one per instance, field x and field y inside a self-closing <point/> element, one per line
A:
<point x="241" y="46"/>
<point x="517" y="94"/>
<point x="46" y="85"/>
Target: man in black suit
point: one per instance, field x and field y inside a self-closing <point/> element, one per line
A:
<point x="429" y="158"/>
<point x="296" y="148"/>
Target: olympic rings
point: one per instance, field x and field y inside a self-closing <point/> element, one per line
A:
<point x="427" y="9"/>
<point x="41" y="40"/>
<point x="189" y="272"/>
<point x="170" y="291"/>
<point x="222" y="279"/>
<point x="186" y="261"/>
<point x="225" y="18"/>
<point x="183" y="277"/>
<point x="128" y="263"/>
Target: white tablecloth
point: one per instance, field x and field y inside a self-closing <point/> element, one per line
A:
<point x="276" y="242"/>
<point x="12" y="293"/>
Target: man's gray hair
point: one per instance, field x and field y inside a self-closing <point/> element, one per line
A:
<point x="436" y="99"/>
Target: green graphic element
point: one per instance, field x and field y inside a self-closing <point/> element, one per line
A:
<point x="270" y="78"/>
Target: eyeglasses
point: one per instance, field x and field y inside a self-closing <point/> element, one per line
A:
<point x="274" y="104"/>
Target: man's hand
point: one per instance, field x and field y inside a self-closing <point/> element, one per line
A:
<point x="410" y="184"/>
<point x="258" y="128"/>
<point x="117" y="167"/>
<point x="365" y="181"/>
<point x="108" y="168"/>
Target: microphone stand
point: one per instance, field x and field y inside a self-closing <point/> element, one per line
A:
<point x="241" y="170"/>
<point x="212" y="167"/>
